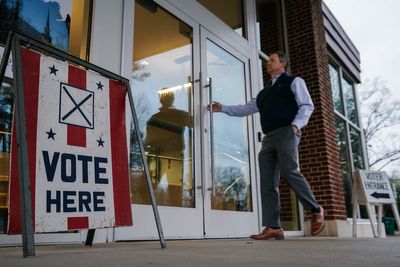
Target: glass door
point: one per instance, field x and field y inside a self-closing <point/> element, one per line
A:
<point x="229" y="191"/>
<point x="197" y="195"/>
<point x="165" y="61"/>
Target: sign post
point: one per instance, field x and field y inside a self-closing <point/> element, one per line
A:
<point x="371" y="188"/>
<point x="69" y="165"/>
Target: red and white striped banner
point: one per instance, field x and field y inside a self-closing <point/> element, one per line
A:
<point x="77" y="148"/>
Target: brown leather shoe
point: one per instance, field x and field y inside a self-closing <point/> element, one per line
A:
<point x="269" y="233"/>
<point x="317" y="222"/>
<point x="257" y="235"/>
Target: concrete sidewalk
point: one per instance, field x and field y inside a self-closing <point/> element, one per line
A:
<point x="235" y="252"/>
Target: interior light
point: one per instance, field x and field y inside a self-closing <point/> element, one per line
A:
<point x="173" y="89"/>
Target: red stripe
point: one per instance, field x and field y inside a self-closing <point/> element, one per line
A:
<point x="30" y="75"/>
<point x="76" y="136"/>
<point x="119" y="155"/>
<point x="75" y="223"/>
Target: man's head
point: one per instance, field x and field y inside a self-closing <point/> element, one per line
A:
<point x="277" y="63"/>
<point x="167" y="99"/>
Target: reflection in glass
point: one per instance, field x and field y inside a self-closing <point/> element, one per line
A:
<point x="344" y="163"/>
<point x="6" y="109"/>
<point x="358" y="161"/>
<point x="231" y="176"/>
<point x="356" y="147"/>
<point x="62" y="23"/>
<point x="229" y="11"/>
<point x="348" y="91"/>
<point x="162" y="91"/>
<point x="335" y="87"/>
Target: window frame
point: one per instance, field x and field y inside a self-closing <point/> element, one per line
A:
<point x="343" y="74"/>
<point x="245" y="28"/>
<point x="346" y="77"/>
<point x="338" y="71"/>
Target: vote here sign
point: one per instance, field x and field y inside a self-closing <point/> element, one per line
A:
<point x="77" y="148"/>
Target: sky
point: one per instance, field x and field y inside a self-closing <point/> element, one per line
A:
<point x="374" y="28"/>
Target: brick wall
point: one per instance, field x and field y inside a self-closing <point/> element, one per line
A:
<point x="319" y="155"/>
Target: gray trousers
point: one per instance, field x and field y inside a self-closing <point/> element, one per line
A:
<point x="279" y="158"/>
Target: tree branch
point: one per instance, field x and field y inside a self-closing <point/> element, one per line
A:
<point x="385" y="156"/>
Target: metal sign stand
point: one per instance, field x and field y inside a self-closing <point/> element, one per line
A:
<point x="28" y="242"/>
<point x="361" y="197"/>
<point x="146" y="168"/>
<point x="14" y="41"/>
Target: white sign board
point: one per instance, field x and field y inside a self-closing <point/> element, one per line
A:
<point x="376" y="187"/>
<point x="77" y="148"/>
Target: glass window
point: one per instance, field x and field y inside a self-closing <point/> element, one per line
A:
<point x="344" y="102"/>
<point x="6" y="108"/>
<point x="231" y="184"/>
<point x="356" y="147"/>
<point x="335" y="87"/>
<point x="62" y="23"/>
<point x="162" y="90"/>
<point x="358" y="161"/>
<point x="229" y="11"/>
<point x="348" y="92"/>
<point x="341" y="135"/>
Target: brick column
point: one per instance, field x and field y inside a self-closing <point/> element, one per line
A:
<point x="319" y="155"/>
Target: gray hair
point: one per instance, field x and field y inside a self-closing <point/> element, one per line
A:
<point x="282" y="57"/>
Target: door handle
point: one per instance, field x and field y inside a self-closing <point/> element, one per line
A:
<point x="210" y="99"/>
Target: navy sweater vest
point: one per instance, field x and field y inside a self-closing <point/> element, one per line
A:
<point x="277" y="105"/>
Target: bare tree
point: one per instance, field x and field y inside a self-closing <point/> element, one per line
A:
<point x="380" y="115"/>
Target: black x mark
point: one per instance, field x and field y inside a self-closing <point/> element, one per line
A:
<point x="77" y="106"/>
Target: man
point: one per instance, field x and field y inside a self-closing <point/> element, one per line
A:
<point x="166" y="138"/>
<point x="285" y="107"/>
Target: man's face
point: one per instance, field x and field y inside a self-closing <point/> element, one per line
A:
<point x="274" y="65"/>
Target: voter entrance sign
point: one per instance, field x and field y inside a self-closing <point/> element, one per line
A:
<point x="69" y="152"/>
<point x="376" y="187"/>
<point x="372" y="189"/>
